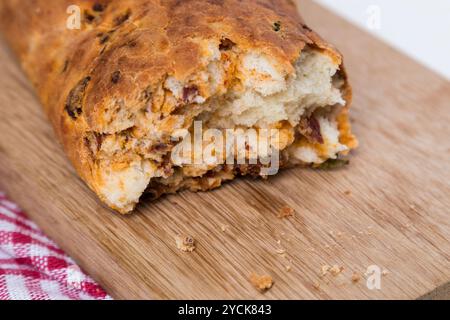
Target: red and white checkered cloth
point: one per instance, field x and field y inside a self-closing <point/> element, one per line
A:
<point x="32" y="267"/>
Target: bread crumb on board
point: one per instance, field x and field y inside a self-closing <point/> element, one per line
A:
<point x="185" y="243"/>
<point x="261" y="282"/>
<point x="316" y="285"/>
<point x="355" y="277"/>
<point x="285" y="212"/>
<point x="336" y="270"/>
<point x="324" y="270"/>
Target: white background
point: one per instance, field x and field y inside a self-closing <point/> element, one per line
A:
<point x="419" y="28"/>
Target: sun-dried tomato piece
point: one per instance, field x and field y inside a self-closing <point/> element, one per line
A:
<point x="310" y="128"/>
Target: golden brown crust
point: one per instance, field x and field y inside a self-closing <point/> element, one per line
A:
<point x="126" y="48"/>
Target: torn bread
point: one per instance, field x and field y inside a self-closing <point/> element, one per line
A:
<point x="138" y="71"/>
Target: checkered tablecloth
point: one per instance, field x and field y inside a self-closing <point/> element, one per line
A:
<point x="32" y="267"/>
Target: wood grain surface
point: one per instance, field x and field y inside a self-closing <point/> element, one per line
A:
<point x="389" y="208"/>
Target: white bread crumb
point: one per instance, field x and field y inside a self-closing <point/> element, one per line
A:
<point x="336" y="270"/>
<point x="324" y="270"/>
<point x="185" y="243"/>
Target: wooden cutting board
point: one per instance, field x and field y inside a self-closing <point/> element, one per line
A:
<point x="389" y="208"/>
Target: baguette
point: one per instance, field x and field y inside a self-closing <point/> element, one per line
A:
<point x="120" y="89"/>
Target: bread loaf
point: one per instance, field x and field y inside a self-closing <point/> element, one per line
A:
<point x="120" y="88"/>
